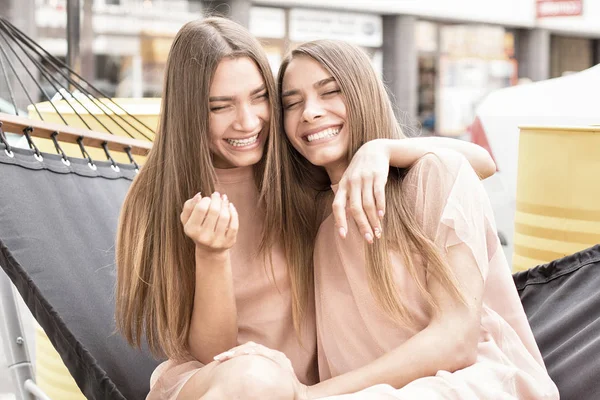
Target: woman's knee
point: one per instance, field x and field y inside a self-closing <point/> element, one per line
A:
<point x="253" y="377"/>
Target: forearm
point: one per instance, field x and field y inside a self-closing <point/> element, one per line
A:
<point x="423" y="355"/>
<point x="404" y="153"/>
<point x="213" y="328"/>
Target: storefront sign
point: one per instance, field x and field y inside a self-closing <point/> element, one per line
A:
<point x="559" y="8"/>
<point x="360" y="29"/>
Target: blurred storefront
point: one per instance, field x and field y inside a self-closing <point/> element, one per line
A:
<point x="280" y="30"/>
<point x="126" y="41"/>
<point x="474" y="60"/>
<point x="570" y="54"/>
<point x="438" y="58"/>
<point x="458" y="65"/>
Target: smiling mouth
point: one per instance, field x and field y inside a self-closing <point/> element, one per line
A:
<point x="324" y="134"/>
<point x="243" y="142"/>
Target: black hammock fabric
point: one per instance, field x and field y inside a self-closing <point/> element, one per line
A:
<point x="562" y="303"/>
<point x="57" y="233"/>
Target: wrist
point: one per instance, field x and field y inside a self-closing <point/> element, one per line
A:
<point x="211" y="255"/>
<point x="306" y="393"/>
<point x="315" y="392"/>
<point x="383" y="147"/>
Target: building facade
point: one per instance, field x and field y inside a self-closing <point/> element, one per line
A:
<point x="438" y="58"/>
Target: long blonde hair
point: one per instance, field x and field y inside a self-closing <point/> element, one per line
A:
<point x="155" y="260"/>
<point x="369" y="116"/>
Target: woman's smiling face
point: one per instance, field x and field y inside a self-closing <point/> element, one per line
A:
<point x="240" y="112"/>
<point x="315" y="119"/>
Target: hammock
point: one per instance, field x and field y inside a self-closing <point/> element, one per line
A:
<point x="58" y="218"/>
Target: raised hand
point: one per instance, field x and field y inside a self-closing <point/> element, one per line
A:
<point x="362" y="188"/>
<point x="211" y="222"/>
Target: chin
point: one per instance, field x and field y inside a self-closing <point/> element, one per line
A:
<point x="250" y="159"/>
<point x="319" y="162"/>
<point x="323" y="160"/>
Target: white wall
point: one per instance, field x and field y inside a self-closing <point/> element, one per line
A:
<point x="504" y="12"/>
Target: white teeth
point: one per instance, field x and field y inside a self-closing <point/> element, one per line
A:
<point x="327" y="133"/>
<point x="242" y="142"/>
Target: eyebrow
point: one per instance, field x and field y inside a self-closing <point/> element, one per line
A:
<point x="324" y="82"/>
<point x="318" y="84"/>
<point x="230" y="98"/>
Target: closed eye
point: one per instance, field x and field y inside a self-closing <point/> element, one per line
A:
<point x="262" y="96"/>
<point x="290" y="105"/>
<point x="218" y="108"/>
<point x="331" y="92"/>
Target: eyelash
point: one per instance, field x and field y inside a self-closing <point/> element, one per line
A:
<point x="288" y="106"/>
<point x="262" y="96"/>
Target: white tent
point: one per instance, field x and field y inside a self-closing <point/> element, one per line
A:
<point x="570" y="100"/>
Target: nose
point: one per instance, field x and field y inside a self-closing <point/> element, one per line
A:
<point x="246" y="120"/>
<point x="312" y="111"/>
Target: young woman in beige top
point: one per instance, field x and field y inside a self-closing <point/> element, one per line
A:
<point x="196" y="275"/>
<point x="429" y="309"/>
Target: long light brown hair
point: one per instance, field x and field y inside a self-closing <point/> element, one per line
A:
<point x="155" y="260"/>
<point x="369" y="116"/>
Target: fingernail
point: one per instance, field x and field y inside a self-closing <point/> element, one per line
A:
<point x="380" y="213"/>
<point x="342" y="233"/>
<point x="369" y="237"/>
<point x="198" y="195"/>
<point x="224" y="197"/>
<point x="377" y="233"/>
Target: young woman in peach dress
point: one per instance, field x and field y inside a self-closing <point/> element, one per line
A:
<point x="196" y="274"/>
<point x="427" y="310"/>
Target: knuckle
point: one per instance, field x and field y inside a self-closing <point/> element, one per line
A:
<point x="355" y="208"/>
<point x="338" y="207"/>
<point x="205" y="239"/>
<point x="368" y="202"/>
<point x="355" y="180"/>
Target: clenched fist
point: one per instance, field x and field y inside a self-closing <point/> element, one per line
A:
<point x="211" y="222"/>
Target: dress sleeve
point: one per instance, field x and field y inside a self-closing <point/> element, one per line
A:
<point x="452" y="206"/>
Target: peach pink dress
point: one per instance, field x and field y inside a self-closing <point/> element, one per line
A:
<point x="264" y="309"/>
<point x="452" y="207"/>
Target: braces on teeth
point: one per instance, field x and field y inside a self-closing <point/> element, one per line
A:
<point x="242" y="142"/>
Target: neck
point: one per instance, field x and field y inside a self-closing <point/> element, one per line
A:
<point x="336" y="171"/>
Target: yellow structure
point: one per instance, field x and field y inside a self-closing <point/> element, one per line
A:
<point x="558" y="195"/>
<point x="146" y="110"/>
<point x="51" y="375"/>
